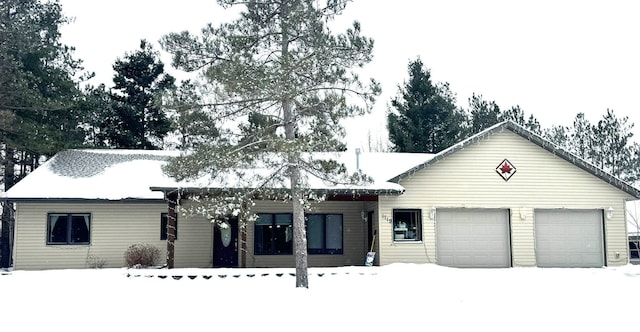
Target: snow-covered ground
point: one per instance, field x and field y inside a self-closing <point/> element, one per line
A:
<point x="397" y="297"/>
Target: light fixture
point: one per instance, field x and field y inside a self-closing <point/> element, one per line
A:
<point x="610" y="213"/>
<point x="523" y="214"/>
<point x="363" y="215"/>
<point x="432" y="213"/>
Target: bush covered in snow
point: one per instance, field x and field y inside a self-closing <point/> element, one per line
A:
<point x="141" y="255"/>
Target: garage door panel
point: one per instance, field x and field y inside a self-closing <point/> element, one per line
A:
<point x="569" y="238"/>
<point x="473" y="237"/>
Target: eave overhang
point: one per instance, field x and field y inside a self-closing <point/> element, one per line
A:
<point x="534" y="138"/>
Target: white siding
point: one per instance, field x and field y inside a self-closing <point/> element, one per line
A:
<point x="468" y="179"/>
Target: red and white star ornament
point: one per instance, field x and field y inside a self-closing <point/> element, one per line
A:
<point x="506" y="169"/>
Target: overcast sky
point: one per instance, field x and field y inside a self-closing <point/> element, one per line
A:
<point x="553" y="58"/>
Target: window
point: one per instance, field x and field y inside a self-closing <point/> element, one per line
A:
<point x="324" y="234"/>
<point x="634" y="250"/>
<point x="407" y="225"/>
<point x="68" y="228"/>
<point x="164" y="226"/>
<point x="274" y="234"/>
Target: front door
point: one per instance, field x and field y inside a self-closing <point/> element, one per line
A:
<point x="225" y="244"/>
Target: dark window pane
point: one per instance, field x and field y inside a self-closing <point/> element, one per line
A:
<point x="273" y="234"/>
<point x="164" y="226"/>
<point x="263" y="240"/>
<point x="315" y="232"/>
<point x="283" y="239"/>
<point x="633" y="248"/>
<point x="334" y="233"/>
<point x="79" y="229"/>
<point x="324" y="234"/>
<point x="68" y="228"/>
<point x="284" y="219"/>
<point x="57" y="228"/>
<point x="264" y="219"/>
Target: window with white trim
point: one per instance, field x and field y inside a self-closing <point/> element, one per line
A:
<point x="407" y="225"/>
<point x="68" y="228"/>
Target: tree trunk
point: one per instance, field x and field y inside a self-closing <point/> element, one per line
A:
<point x="299" y="230"/>
<point x="7" y="220"/>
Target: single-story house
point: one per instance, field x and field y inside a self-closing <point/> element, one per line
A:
<point x="505" y="197"/>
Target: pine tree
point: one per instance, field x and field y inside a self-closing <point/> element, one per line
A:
<point x="423" y="115"/>
<point x="279" y="60"/>
<point x="99" y="116"/>
<point x="581" y="137"/>
<point x="606" y="144"/>
<point x="38" y="93"/>
<point x="190" y="124"/>
<point x="533" y="125"/>
<point x="516" y="114"/>
<point x="612" y="135"/>
<point x="484" y="114"/>
<point x="139" y="82"/>
<point x="558" y="135"/>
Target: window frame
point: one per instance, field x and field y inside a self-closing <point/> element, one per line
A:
<point x="397" y="230"/>
<point x="273" y="247"/>
<point x="634" y="250"/>
<point x="325" y="235"/>
<point x="164" y="224"/>
<point x="68" y="228"/>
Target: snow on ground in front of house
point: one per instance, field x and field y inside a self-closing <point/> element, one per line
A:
<point x="409" y="297"/>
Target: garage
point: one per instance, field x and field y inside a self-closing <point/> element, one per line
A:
<point x="473" y="238"/>
<point x="569" y="238"/>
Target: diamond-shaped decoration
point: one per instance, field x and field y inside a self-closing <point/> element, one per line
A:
<point x="506" y="169"/>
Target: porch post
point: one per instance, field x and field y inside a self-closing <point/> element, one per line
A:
<point x="242" y="226"/>
<point x="172" y="200"/>
<point x="243" y="255"/>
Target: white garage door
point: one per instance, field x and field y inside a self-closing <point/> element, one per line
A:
<point x="473" y="237"/>
<point x="569" y="238"/>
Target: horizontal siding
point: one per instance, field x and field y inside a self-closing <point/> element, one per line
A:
<point x="114" y="226"/>
<point x="522" y="237"/>
<point x="468" y="178"/>
<point x="354" y="236"/>
<point x="194" y="246"/>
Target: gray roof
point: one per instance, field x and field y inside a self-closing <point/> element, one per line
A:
<point x="84" y="164"/>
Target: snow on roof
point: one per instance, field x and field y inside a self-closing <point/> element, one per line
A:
<point x="130" y="174"/>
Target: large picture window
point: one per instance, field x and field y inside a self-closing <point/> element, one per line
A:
<point x="68" y="228"/>
<point x="164" y="226"/>
<point x="274" y="234"/>
<point x="407" y="225"/>
<point x="324" y="234"/>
